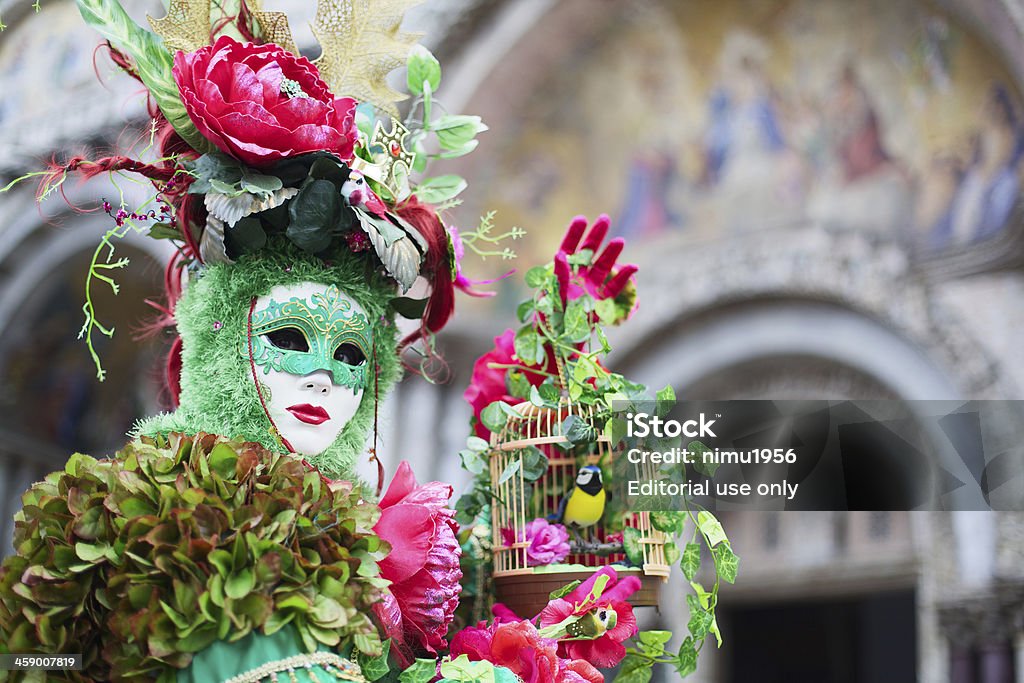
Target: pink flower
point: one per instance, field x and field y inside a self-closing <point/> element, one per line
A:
<point x="549" y="543"/>
<point x="488" y="384"/>
<point x="518" y="647"/>
<point x="423" y="565"/>
<point x="261" y="103"/>
<point x="606" y="650"/>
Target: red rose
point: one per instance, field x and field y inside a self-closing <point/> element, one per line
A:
<point x="261" y="103"/>
<point x="423" y="565"/>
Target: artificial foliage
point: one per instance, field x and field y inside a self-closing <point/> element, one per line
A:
<point x="218" y="395"/>
<point x="139" y="561"/>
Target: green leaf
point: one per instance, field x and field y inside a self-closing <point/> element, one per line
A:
<point x="577" y="320"/>
<point x="672" y="553"/>
<point x="472" y="462"/>
<point x="536" y="399"/>
<point x="535" y="463"/>
<point x="536" y="277"/>
<point x="635" y="669"/>
<point x="494" y="417"/>
<point x="699" y="449"/>
<point x="687" y="658"/>
<point x="440" y="188"/>
<point x="525" y="310"/>
<point x="475" y="443"/>
<point x="223" y="459"/>
<point x="528" y="345"/>
<point x="606" y="311"/>
<point x="462" y="669"/>
<point x="668" y="521"/>
<point x="727" y="563"/>
<point x="564" y="590"/>
<point x="655" y="639"/>
<point x="666" y="394"/>
<point x="313" y="212"/>
<point x="583" y="257"/>
<point x="631" y="545"/>
<point x="711" y="528"/>
<point x="517" y="383"/>
<point x="578" y="430"/>
<point x="240" y="584"/>
<point x="510" y="470"/>
<point x="421" y="67"/>
<point x="700" y="620"/>
<point x="409" y="308"/>
<point x="329" y="168"/>
<point x="690" y="564"/>
<point x="550" y="393"/>
<point x="152" y="61"/>
<point x="375" y="668"/>
<point x="257" y="183"/>
<point x="421" y="671"/>
<point x="455" y="131"/>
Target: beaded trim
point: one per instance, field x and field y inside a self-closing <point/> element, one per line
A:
<point x="337" y="666"/>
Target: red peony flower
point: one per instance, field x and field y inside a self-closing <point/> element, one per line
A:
<point x="606" y="650"/>
<point x="261" y="103"/>
<point x="423" y="565"/>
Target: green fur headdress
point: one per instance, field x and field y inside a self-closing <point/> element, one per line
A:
<point x="218" y="394"/>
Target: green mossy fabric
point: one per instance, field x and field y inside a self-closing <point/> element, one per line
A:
<point x="218" y="395"/>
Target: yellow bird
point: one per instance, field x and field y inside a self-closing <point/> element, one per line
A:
<point x="584" y="506"/>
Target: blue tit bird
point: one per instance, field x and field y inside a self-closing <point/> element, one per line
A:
<point x="583" y="506"/>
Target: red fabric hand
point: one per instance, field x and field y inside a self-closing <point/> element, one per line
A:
<point x="603" y="278"/>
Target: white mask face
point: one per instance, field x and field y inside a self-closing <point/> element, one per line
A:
<point x="311" y="345"/>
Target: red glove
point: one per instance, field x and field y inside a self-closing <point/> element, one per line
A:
<point x="603" y="278"/>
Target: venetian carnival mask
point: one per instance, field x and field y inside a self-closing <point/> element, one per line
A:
<point x="311" y="347"/>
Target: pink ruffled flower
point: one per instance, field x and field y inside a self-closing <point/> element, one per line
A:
<point x="607" y="650"/>
<point x="549" y="543"/>
<point x="261" y="103"/>
<point x="423" y="565"/>
<point x="488" y="384"/>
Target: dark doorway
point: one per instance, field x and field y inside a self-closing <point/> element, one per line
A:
<point x="869" y="639"/>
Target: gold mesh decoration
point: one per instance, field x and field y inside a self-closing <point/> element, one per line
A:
<point x="361" y="44"/>
<point x="186" y="26"/>
<point x="274" y="28"/>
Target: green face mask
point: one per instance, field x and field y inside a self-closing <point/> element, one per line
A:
<point x="323" y="332"/>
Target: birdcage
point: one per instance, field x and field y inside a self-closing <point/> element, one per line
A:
<point x="517" y="501"/>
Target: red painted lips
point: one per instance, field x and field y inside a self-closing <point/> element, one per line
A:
<point x="312" y="415"/>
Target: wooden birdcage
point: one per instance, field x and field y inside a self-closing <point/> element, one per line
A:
<point x="516" y="502"/>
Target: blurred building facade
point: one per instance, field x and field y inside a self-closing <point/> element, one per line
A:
<point x="823" y="197"/>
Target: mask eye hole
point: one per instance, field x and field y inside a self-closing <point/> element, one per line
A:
<point x="349" y="354"/>
<point x="288" y="339"/>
